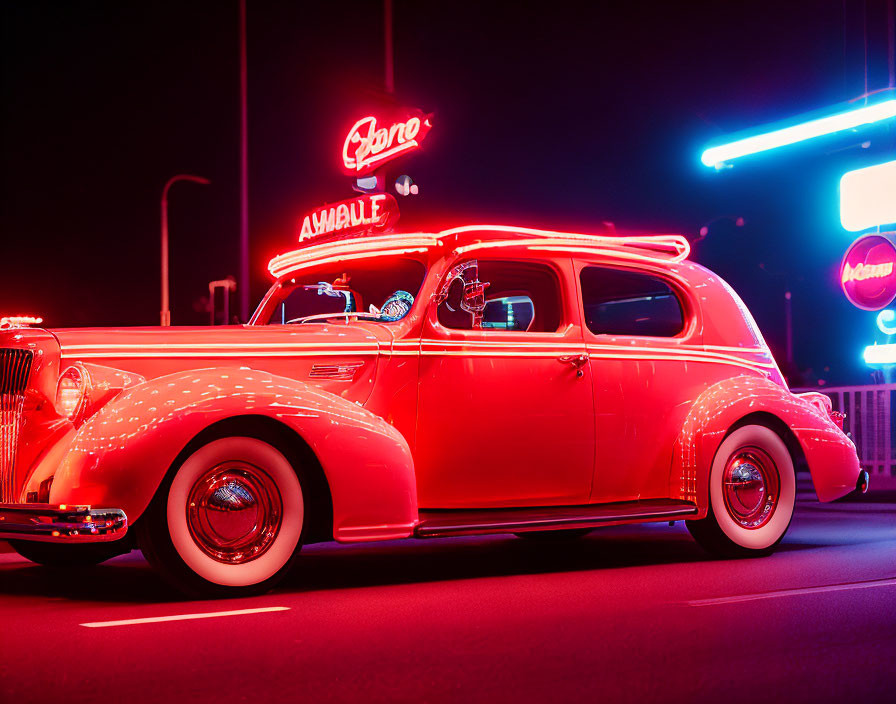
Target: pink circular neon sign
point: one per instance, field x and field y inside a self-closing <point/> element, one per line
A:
<point x="868" y="272"/>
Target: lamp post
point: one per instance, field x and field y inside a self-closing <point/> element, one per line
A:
<point x="387" y="36"/>
<point x="166" y="311"/>
<point x="244" y="172"/>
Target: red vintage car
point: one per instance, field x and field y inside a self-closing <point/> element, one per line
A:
<point x="482" y="379"/>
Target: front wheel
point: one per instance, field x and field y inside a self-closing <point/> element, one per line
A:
<point x="228" y="521"/>
<point x="752" y="489"/>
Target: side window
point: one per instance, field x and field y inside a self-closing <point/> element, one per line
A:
<point x="521" y="296"/>
<point x="620" y="302"/>
<point x="509" y="313"/>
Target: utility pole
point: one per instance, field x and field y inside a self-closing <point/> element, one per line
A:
<point x="387" y="32"/>
<point x="788" y="317"/>
<point x="244" y="175"/>
<point x="891" y="45"/>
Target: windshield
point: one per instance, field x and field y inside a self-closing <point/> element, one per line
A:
<point x="380" y="289"/>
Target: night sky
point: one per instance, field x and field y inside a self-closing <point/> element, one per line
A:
<point x="559" y="115"/>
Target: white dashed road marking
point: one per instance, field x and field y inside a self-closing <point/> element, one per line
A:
<point x="182" y="617"/>
<point x="793" y="592"/>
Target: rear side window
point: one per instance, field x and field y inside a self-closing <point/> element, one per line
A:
<point x="619" y="302"/>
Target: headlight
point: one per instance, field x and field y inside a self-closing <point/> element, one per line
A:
<point x="71" y="392"/>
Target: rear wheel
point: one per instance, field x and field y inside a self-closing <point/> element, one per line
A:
<point x="228" y="521"/>
<point x="752" y="489"/>
<point x="77" y="555"/>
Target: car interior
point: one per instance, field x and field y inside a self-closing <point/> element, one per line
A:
<point x="521" y="296"/>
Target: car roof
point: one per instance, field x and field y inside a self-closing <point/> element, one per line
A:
<point x="729" y="323"/>
<point x="663" y="248"/>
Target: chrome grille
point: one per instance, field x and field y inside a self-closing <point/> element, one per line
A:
<point x="15" y="365"/>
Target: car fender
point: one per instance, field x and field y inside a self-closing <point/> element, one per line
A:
<point x="120" y="455"/>
<point x="830" y="455"/>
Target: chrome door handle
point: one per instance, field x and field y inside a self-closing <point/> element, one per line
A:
<point x="576" y="360"/>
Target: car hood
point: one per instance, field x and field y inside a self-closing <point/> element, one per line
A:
<point x="337" y="357"/>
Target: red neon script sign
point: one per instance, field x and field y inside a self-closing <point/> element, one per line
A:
<point x="367" y="213"/>
<point x="370" y="143"/>
<point x="868" y="272"/>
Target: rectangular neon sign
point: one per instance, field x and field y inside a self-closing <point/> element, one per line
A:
<point x="868" y="197"/>
<point x="367" y="213"/>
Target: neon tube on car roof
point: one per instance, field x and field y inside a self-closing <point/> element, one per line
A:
<point x="580" y="247"/>
<point x="348" y="249"/>
<point x="675" y="247"/>
<point x="667" y="248"/>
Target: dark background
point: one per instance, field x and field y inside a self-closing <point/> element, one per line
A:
<point x="558" y="115"/>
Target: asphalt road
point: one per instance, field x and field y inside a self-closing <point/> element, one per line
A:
<point x="627" y="614"/>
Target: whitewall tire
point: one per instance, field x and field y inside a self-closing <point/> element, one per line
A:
<point x="229" y="520"/>
<point x="752" y="490"/>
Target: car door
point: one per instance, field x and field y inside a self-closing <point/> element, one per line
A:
<point x="642" y="338"/>
<point x="505" y="405"/>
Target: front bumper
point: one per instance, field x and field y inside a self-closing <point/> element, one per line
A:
<point x="862" y="482"/>
<point x="62" y="523"/>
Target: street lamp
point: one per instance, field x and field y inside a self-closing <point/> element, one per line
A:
<point x="166" y="311"/>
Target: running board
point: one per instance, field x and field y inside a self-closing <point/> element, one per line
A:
<point x="446" y="522"/>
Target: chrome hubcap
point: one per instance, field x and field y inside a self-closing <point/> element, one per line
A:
<point x="234" y="512"/>
<point x="751" y="487"/>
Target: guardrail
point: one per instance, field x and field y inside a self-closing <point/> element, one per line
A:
<point x="871" y="420"/>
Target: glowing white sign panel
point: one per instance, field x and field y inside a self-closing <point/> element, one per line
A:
<point x="868" y="197"/>
<point x="880" y="354"/>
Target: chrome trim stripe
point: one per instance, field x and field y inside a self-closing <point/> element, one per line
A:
<point x="428" y="348"/>
<point x="621" y="357"/>
<point x="214" y="345"/>
<point x="399" y="343"/>
<point x="230" y="354"/>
